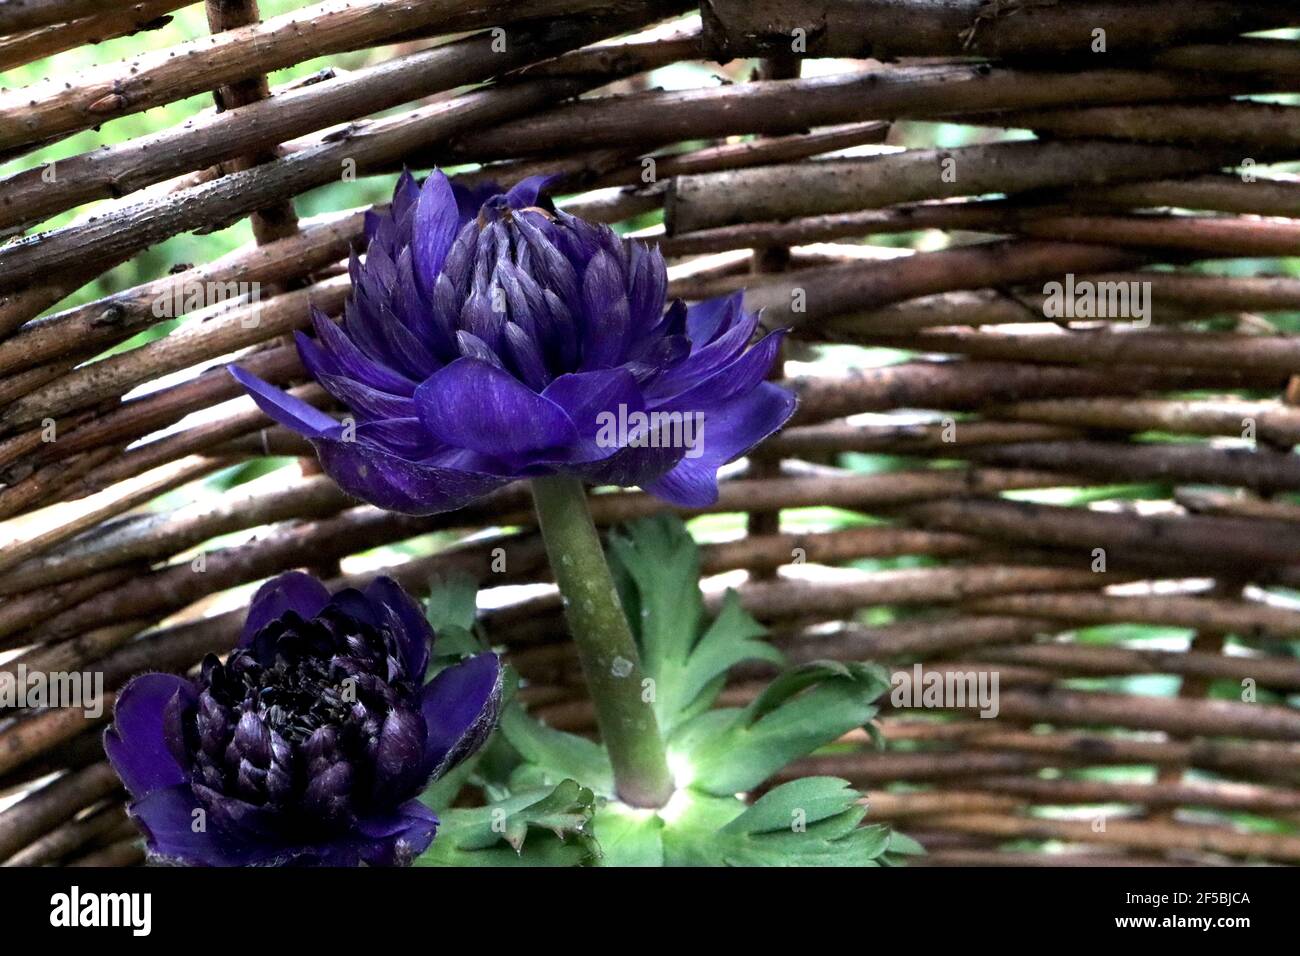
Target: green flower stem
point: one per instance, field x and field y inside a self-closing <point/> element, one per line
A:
<point x="605" y="643"/>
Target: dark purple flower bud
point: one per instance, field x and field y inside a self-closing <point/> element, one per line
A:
<point x="309" y="744"/>
<point x="488" y="339"/>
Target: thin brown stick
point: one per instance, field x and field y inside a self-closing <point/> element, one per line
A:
<point x="1226" y="543"/>
<point x="140" y="224"/>
<point x="59" y="105"/>
<point x="1259" y="759"/>
<point x="1198" y="501"/>
<point x="1261" y="470"/>
<point x="21" y="612"/>
<point x="44" y="809"/>
<point x="140" y="416"/>
<point x="1228" y="416"/>
<point x="1146" y="836"/>
<point x="778" y="107"/>
<point x="40" y="42"/>
<point x="1245" y="619"/>
<point x="33" y="735"/>
<point x="1258" y="126"/>
<point x="179" y="474"/>
<point x="18" y="15"/>
<point x="72" y="654"/>
<point x="233" y="329"/>
<point x="155" y="537"/>
<point x="883" y="29"/>
<point x="1109" y="661"/>
<point x="126" y="852"/>
<point x="786" y="191"/>
<point x="70" y="837"/>
<point x="813" y="295"/>
<point x="174" y="587"/>
<point x="252" y="124"/>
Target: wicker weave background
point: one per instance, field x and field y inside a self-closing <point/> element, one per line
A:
<point x="1146" y="707"/>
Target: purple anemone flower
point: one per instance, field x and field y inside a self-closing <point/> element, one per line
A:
<point x="487" y="339"/>
<point x="309" y="745"/>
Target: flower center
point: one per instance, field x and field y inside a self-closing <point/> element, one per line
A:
<point x="295" y="701"/>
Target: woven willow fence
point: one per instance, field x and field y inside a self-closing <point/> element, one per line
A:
<point x="1096" y="505"/>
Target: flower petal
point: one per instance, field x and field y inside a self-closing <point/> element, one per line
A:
<point x="524" y="193"/>
<point x="733" y="429"/>
<point x="437" y="220"/>
<point x="704" y="320"/>
<point x="395" y="484"/>
<point x="405" y="617"/>
<point x="137" y="744"/>
<point x="238" y="819"/>
<point x="363" y="400"/>
<point x="692" y="483"/>
<point x="291" y="591"/>
<point x="399" y="757"/>
<point x="403" y="437"/>
<point x="730" y="382"/>
<point x="472" y="404"/>
<point x="729" y="431"/>
<point x="608" y="314"/>
<point x="630" y="466"/>
<point x="397" y="839"/>
<point x="584" y="396"/>
<point x="470" y="199"/>
<point x="707" y="359"/>
<point x="350" y="360"/>
<point x="405" y="195"/>
<point x="291" y="412"/>
<point x="460" y="710"/>
<point x="168" y="818"/>
<point x="353" y="603"/>
<point x="595" y="401"/>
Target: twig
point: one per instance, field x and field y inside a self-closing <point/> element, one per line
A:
<point x="43" y="809"/>
<point x="59" y="105"/>
<point x="883" y="29"/>
<point x="786" y="191"/>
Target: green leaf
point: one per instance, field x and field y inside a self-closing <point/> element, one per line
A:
<point x="455" y="644"/>
<point x="900" y="848"/>
<point x="901" y="843"/>
<point x="657" y="566"/>
<point x="792" y="681"/>
<point x="452" y="602"/>
<point x="568" y="809"/>
<point x="729" y="641"/>
<point x="557" y="754"/>
<point x="809" y="800"/>
<point x="878" y="739"/>
<point x="628" y="837"/>
<point x="547" y="852"/>
<point x="663" y="564"/>
<point x="730" y="750"/>
<point x="808" y="822"/>
<point x="451" y="610"/>
<point x="442" y="792"/>
<point x="538" y="827"/>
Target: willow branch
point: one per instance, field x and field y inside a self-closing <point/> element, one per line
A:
<point x="35" y="44"/>
<point x="1274" y="421"/>
<point x="1226" y="543"/>
<point x="886" y="28"/>
<point x="62" y="105"/>
<point x="42" y="810"/>
<point x="786" y="191"/>
<point x="261" y="124"/>
<point x="777" y="107"/>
